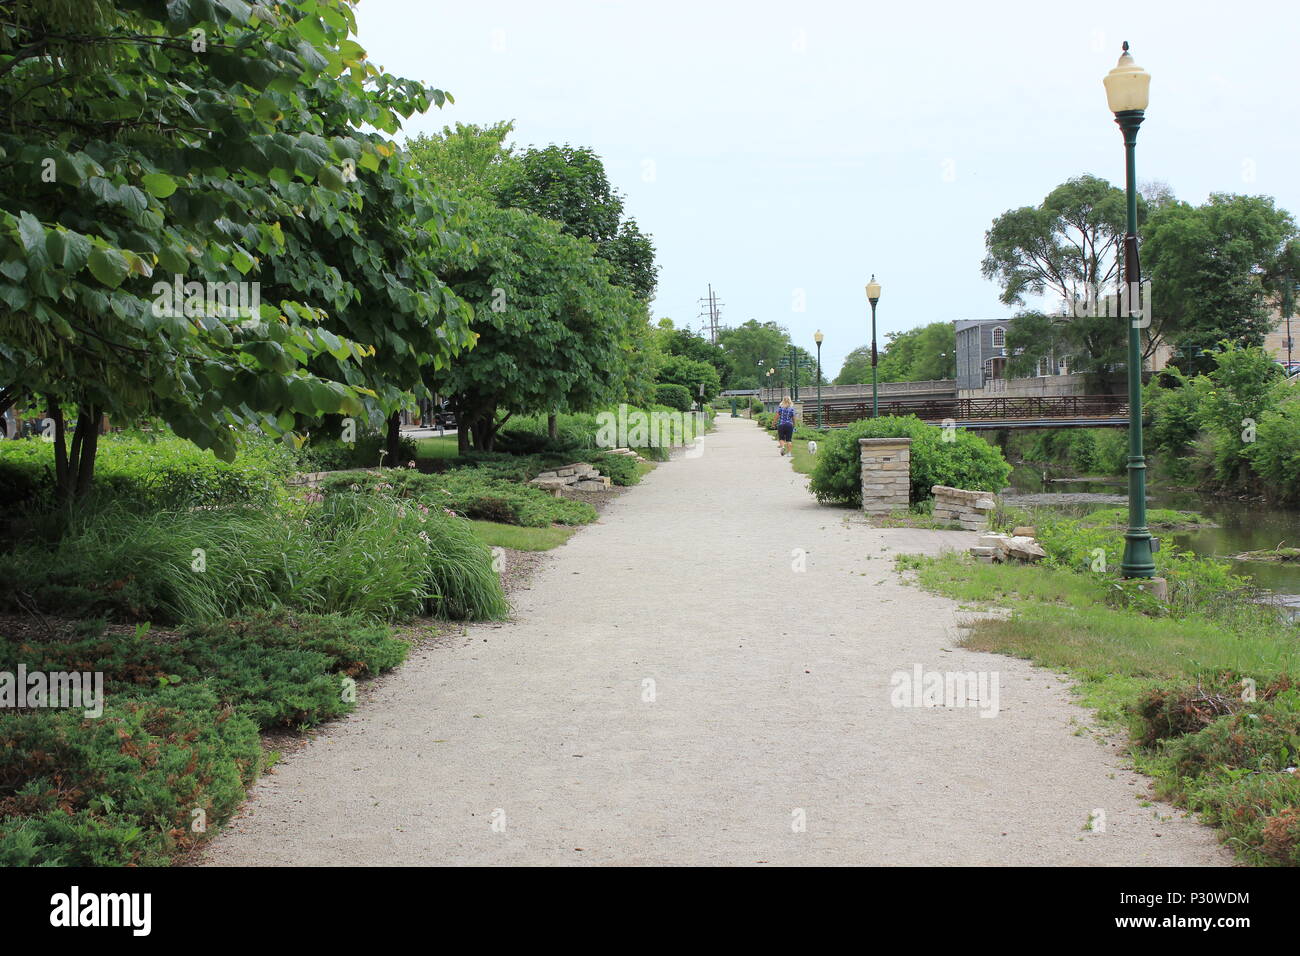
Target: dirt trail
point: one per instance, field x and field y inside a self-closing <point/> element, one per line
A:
<point x="673" y="692"/>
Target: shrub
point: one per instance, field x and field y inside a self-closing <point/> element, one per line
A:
<point x="690" y="375"/>
<point x="1172" y="402"/>
<point x="1275" y="455"/>
<point x="1171" y="710"/>
<point x="1088" y="451"/>
<point x="1265" y="737"/>
<point x="1257" y="811"/>
<point x="620" y="469"/>
<point x="528" y="434"/>
<point x="674" y="396"/>
<point x="966" y="461"/>
<point x="152" y="470"/>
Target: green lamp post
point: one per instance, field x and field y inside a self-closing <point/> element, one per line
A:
<point x="873" y="296"/>
<point x="1127" y="91"/>
<point x="817" y="337"/>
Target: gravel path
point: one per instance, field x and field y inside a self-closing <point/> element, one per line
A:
<point x="673" y="692"/>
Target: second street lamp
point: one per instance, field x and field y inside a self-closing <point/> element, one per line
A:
<point x="873" y="296"/>
<point x="1127" y="93"/>
<point x="817" y="337"/>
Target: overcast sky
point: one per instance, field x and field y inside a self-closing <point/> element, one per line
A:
<point x="786" y="151"/>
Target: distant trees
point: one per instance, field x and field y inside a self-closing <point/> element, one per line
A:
<point x="1214" y="269"/>
<point x="1070" y="246"/>
<point x="749" y="343"/>
<point x="925" y="353"/>
<point x="560" y="323"/>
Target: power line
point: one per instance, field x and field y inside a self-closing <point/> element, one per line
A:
<point x="710" y="312"/>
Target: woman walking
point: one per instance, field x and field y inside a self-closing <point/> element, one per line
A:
<point x="785" y="425"/>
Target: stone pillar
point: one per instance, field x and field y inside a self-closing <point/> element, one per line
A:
<point x="886" y="474"/>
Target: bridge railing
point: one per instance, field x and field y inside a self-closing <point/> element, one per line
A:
<point x="999" y="408"/>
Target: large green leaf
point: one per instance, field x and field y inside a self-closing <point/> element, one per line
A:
<point x="108" y="266"/>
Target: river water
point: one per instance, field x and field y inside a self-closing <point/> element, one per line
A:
<point x="1242" y="525"/>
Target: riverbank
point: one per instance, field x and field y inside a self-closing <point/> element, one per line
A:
<point x="1202" y="686"/>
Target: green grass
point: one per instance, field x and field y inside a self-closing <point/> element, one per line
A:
<point x="1162" y="519"/>
<point x="444" y="447"/>
<point x="1064" y="619"/>
<point x="913" y="518"/>
<point x="497" y="535"/>
<point x="802" y="460"/>
<point x="1138" y="664"/>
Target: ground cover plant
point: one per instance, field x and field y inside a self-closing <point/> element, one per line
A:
<point x="178" y="742"/>
<point x="466" y="492"/>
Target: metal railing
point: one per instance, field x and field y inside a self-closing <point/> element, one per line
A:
<point x="1000" y="408"/>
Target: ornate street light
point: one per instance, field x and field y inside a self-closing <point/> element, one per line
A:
<point x="873" y="296"/>
<point x="817" y="337"/>
<point x="1127" y="90"/>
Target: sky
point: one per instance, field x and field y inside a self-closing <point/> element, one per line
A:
<point x="785" y="152"/>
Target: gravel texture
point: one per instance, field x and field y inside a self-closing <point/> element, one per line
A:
<point x="674" y="692"/>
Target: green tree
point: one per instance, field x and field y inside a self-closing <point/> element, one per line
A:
<point x="553" y="331"/>
<point x="926" y="353"/>
<point x="556" y="331"/>
<point x="857" y="367"/>
<point x="1068" y="247"/>
<point x="1212" y="268"/>
<point x="473" y="160"/>
<point x="680" y="370"/>
<point x="150" y="143"/>
<point x="690" y="344"/>
<point x="748" y="344"/>
<point x="569" y="185"/>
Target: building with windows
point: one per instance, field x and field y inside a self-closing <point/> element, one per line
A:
<point x="981" y="351"/>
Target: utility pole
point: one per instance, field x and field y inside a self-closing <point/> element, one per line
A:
<point x="710" y="311"/>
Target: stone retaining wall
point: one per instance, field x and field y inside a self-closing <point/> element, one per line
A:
<point x="970" y="509"/>
<point x="886" y="474"/>
<point x="578" y="476"/>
